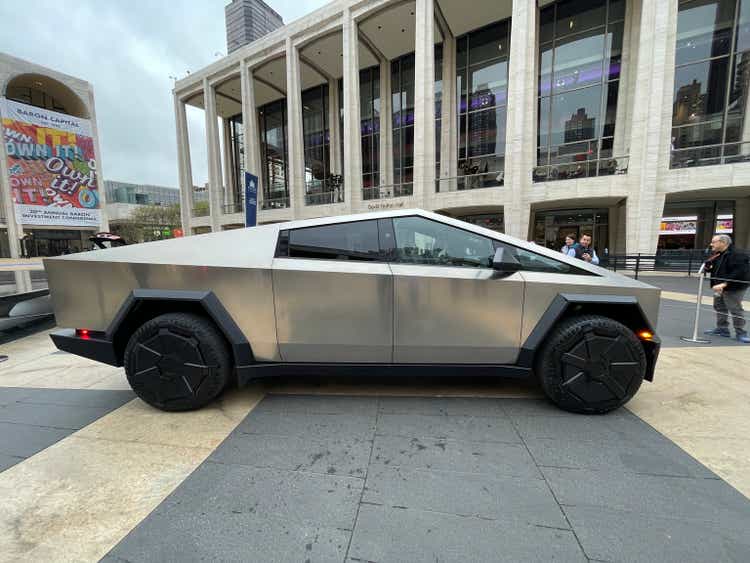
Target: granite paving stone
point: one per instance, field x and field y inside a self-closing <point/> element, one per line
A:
<point x="414" y="536"/>
<point x="110" y="399"/>
<point x="490" y="458"/>
<point x="456" y="427"/>
<point x="55" y="416"/>
<point x="334" y="455"/>
<point x="618" y="425"/>
<point x="309" y="424"/>
<point x="316" y="404"/>
<point x="469" y="406"/>
<point x="8" y="461"/>
<point x="613" y="535"/>
<point x="22" y="440"/>
<point x="657" y="457"/>
<point x="517" y="499"/>
<point x="713" y="499"/>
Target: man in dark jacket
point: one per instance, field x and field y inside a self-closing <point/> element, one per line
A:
<point x="729" y="279"/>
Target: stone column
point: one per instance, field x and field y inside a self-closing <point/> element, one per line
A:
<point x="386" y="125"/>
<point x="250" y="133"/>
<point x="352" y="126"/>
<point x="334" y="127"/>
<point x="229" y="191"/>
<point x="104" y="219"/>
<point x="520" y="136"/>
<point x="215" y="196"/>
<point x="295" y="140"/>
<point x="15" y="231"/>
<point x="651" y="124"/>
<point x="424" y="101"/>
<point x="185" y="173"/>
<point x="449" y="130"/>
<point x="626" y="91"/>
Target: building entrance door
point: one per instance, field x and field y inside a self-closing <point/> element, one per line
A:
<point x="551" y="227"/>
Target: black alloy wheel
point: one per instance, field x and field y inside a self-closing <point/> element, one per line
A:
<point x="178" y="362"/>
<point x="591" y="364"/>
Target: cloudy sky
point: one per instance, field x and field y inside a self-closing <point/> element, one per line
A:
<point x="128" y="50"/>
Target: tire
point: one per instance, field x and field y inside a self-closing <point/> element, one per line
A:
<point x="178" y="362"/>
<point x="591" y="364"/>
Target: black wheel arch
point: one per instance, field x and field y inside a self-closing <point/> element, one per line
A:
<point x="142" y="305"/>
<point x="622" y="308"/>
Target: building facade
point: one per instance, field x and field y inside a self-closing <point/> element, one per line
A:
<point x="620" y="118"/>
<point x="248" y="20"/>
<point x="50" y="165"/>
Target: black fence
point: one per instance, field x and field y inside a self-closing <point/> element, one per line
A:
<point x="685" y="261"/>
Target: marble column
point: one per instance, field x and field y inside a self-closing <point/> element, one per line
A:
<point x="424" y="101"/>
<point x="651" y="125"/>
<point x="229" y="191"/>
<point x="520" y="136"/>
<point x="250" y="132"/>
<point x="352" y="126"/>
<point x="334" y="127"/>
<point x="185" y="173"/>
<point x="295" y="140"/>
<point x="215" y="191"/>
<point x="449" y="129"/>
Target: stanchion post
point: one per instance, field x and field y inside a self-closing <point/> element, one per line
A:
<point x="695" y="338"/>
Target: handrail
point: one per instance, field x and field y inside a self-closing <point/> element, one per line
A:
<point x="386" y="191"/>
<point x="496" y="178"/>
<point x="584" y="168"/>
<point x="275" y="203"/>
<point x="722" y="157"/>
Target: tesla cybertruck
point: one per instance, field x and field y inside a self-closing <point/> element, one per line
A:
<point x="397" y="292"/>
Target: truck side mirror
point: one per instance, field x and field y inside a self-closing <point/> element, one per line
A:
<point x="505" y="262"/>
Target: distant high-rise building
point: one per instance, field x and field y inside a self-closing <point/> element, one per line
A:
<point x="247" y="20"/>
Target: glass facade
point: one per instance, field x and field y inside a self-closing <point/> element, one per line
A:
<point x="273" y="147"/>
<point x="482" y="87"/>
<point x="712" y="83"/>
<point x="140" y="194"/>
<point x="34" y="97"/>
<point x="369" y="107"/>
<point x="402" y="100"/>
<point x="551" y="227"/>
<point x="580" y="54"/>
<point x="319" y="188"/>
<point x="691" y="225"/>
<point x="237" y="135"/>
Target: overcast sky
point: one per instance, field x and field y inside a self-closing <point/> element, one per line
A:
<point x="128" y="50"/>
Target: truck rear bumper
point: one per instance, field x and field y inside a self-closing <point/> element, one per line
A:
<point x="95" y="347"/>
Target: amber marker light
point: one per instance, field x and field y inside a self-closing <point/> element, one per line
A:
<point x="645" y="335"/>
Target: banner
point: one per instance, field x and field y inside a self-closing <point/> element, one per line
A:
<point x="51" y="166"/>
<point x="251" y="199"/>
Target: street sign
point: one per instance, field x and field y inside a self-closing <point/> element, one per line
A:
<point x="251" y="199"/>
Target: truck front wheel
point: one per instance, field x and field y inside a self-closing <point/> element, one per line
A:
<point x="591" y="364"/>
<point x="178" y="362"/>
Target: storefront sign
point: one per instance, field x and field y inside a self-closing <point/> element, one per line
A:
<point x="51" y="166"/>
<point x="724" y="224"/>
<point x="678" y="226"/>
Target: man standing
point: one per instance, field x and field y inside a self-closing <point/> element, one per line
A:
<point x="729" y="275"/>
<point x="585" y="251"/>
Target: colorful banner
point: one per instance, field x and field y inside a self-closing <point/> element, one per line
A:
<point x="678" y="225"/>
<point x="51" y="166"/>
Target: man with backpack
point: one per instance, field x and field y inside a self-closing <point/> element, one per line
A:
<point x="730" y="273"/>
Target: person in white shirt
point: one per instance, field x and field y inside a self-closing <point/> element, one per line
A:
<point x="570" y="241"/>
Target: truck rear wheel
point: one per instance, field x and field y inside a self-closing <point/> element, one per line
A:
<point x="591" y="364"/>
<point x="178" y="362"/>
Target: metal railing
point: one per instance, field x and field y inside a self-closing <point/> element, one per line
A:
<point x="584" y="168"/>
<point x="687" y="261"/>
<point x="476" y="181"/>
<point x="236" y="207"/>
<point x="709" y="155"/>
<point x="201" y="211"/>
<point x="387" y="191"/>
<point x="324" y="198"/>
<point x="275" y="203"/>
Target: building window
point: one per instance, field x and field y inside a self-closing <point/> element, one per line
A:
<point x="319" y="185"/>
<point x="691" y="225"/>
<point x="273" y="141"/>
<point x="369" y="107"/>
<point x="237" y="136"/>
<point x="402" y="96"/>
<point x="482" y="84"/>
<point x="712" y="80"/>
<point x="34" y="97"/>
<point x="580" y="55"/>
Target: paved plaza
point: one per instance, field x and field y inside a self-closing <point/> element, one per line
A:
<point x="374" y="469"/>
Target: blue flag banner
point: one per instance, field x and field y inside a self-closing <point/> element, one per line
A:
<point x="251" y="199"/>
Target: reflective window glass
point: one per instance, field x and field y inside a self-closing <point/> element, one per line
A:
<point x="704" y="30"/>
<point x="575" y="115"/>
<point x="343" y="241"/>
<point x="578" y="60"/>
<point x="574" y="15"/>
<point x="699" y="92"/>
<point x="421" y="241"/>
